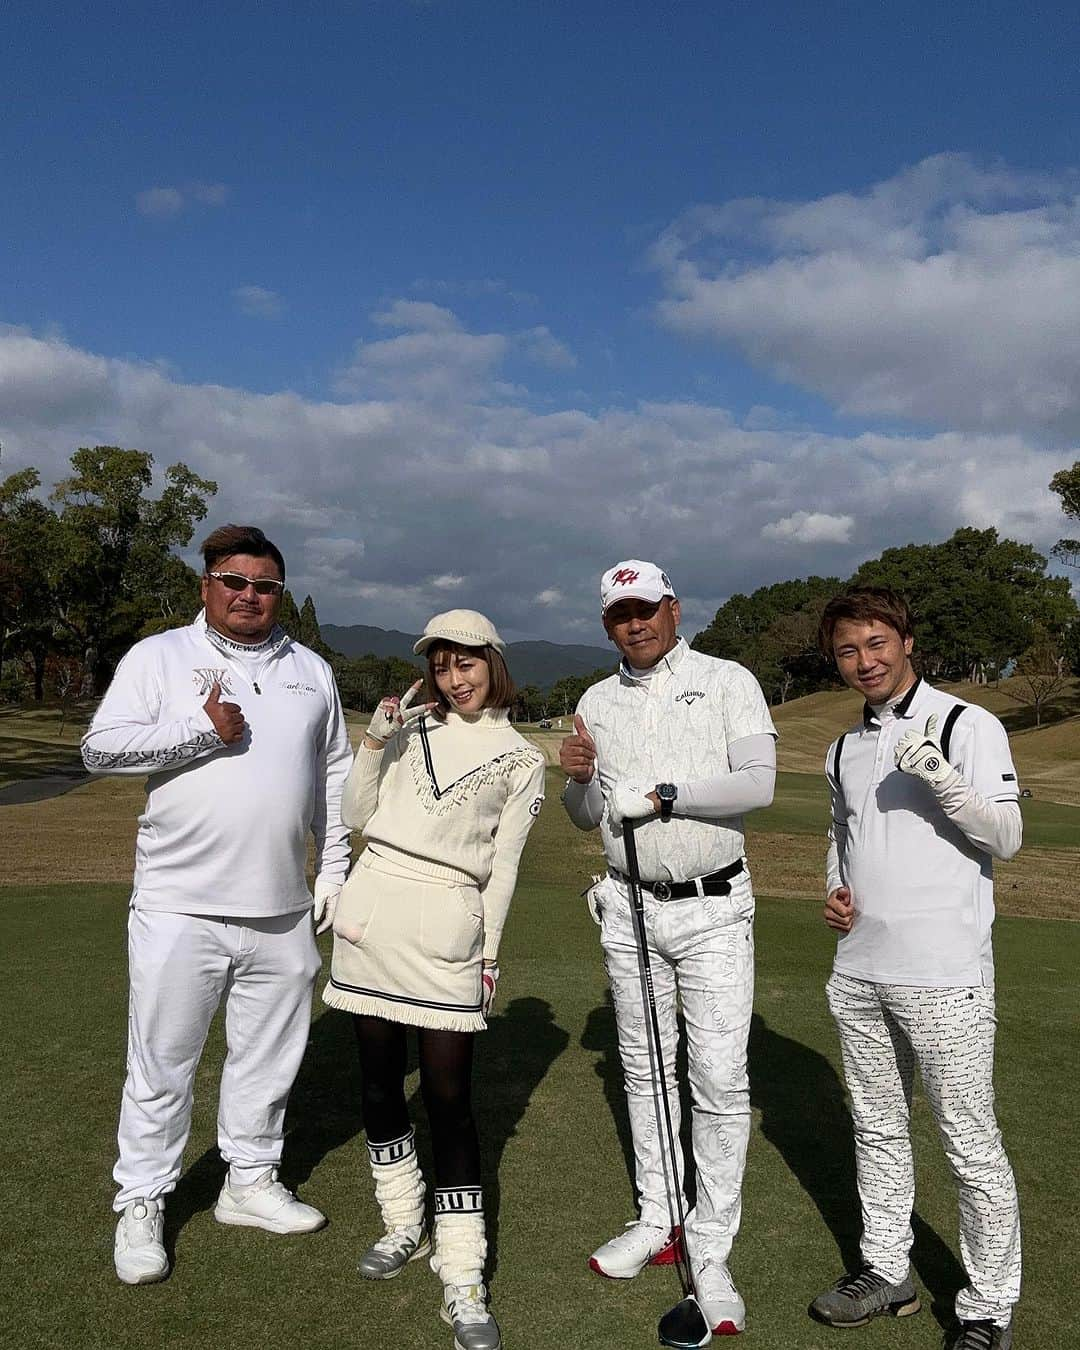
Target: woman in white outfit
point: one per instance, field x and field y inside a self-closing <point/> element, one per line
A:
<point x="445" y="793"/>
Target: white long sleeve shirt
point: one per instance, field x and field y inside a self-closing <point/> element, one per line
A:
<point x="225" y="828"/>
<point x="918" y="863"/>
<point x="677" y="724"/>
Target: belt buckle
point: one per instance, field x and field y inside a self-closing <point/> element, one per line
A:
<point x="661" y="890"/>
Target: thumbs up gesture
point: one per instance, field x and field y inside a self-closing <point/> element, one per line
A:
<point x="577" y="754"/>
<point x="227" y="718"/>
<point x="920" y="753"/>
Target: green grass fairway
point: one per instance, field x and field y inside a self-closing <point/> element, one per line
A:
<point x="554" y="1140"/>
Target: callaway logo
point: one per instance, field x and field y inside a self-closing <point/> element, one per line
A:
<point x="534" y="810"/>
<point x="206" y="677"/>
<point x="625" y="576"/>
<point x="689" y="695"/>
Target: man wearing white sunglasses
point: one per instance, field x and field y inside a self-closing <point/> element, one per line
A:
<point x="240" y="734"/>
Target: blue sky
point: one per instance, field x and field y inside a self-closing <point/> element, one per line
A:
<point x="464" y="301"/>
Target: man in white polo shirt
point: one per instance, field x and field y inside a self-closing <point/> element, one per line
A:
<point x="685" y="742"/>
<point x="240" y="735"/>
<point x="924" y="796"/>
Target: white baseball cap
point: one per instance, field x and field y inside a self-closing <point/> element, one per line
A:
<point x="465" y="627"/>
<point x="634" y="580"/>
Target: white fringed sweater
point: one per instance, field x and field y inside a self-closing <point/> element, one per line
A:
<point x="452" y="799"/>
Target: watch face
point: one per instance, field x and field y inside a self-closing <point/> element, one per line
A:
<point x="666" y="792"/>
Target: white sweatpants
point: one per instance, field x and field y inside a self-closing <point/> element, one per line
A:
<point x="885" y="1030"/>
<point x="701" y="952"/>
<point x="180" y="966"/>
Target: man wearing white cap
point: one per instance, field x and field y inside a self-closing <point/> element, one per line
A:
<point x="685" y="743"/>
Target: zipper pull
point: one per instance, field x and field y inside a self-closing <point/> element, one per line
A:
<point x="257" y="689"/>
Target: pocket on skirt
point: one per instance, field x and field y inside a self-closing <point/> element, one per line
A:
<point x="356" y="906"/>
<point x="451" y="923"/>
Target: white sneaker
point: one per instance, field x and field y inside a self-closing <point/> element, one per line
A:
<point x="268" y="1204"/>
<point x="464" y="1307"/>
<point x="718" y="1298"/>
<point x="138" y="1252"/>
<point x="640" y="1245"/>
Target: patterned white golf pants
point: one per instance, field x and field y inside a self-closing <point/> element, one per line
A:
<point x="701" y="952"/>
<point x="885" y="1030"/>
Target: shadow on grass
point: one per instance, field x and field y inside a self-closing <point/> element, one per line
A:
<point x="602" y="1038"/>
<point x="806" y="1119"/>
<point x="512" y="1058"/>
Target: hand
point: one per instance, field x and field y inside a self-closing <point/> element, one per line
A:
<point x="920" y="753"/>
<point x="629" y="802"/>
<point x="391" y="715"/>
<point x="325" y="907"/>
<point x="489" y="979"/>
<point x="592" y="898"/>
<point x="839" y="910"/>
<point x="227" y="718"/>
<point x="577" y="754"/>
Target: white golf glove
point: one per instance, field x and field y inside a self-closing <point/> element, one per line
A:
<point x="629" y="802"/>
<point x="393" y="712"/>
<point x="326" y="897"/>
<point x="920" y="753"/>
<point x="592" y="899"/>
<point x="489" y="978"/>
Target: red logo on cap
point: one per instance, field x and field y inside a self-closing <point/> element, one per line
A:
<point x="624" y="576"/>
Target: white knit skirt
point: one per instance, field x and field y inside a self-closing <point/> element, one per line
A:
<point x="407" y="947"/>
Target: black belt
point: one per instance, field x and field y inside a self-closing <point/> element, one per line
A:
<point x="716" y="883"/>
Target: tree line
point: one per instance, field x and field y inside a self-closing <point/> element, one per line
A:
<point x="984" y="606"/>
<point x="92" y="568"/>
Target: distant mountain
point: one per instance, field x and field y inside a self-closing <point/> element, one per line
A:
<point x="539" y="663"/>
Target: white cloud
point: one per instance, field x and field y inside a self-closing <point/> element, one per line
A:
<point x="433" y="359"/>
<point x="258" y="303"/>
<point x="160" y="201"/>
<point x="809" y="527"/>
<point x="168" y="201"/>
<point x="949" y="294"/>
<point x="541" y="345"/>
<point x="380" y="503"/>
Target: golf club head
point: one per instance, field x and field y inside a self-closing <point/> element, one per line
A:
<point x="684" y="1327"/>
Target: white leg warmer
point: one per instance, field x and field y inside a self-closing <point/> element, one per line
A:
<point x="460" y="1240"/>
<point x="399" y="1184"/>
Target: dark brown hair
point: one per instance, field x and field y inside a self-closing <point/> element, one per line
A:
<point x="501" y="693"/>
<point x="229" y="539"/>
<point x="865" y="604"/>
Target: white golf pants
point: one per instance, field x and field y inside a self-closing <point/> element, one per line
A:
<point x="701" y="952"/>
<point x="885" y="1030"/>
<point x="180" y="967"/>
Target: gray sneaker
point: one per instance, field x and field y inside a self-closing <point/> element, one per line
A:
<point x="393" y="1252"/>
<point x="464" y="1307"/>
<point x="982" y="1335"/>
<point x="862" y="1294"/>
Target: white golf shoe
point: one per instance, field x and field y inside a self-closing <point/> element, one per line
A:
<point x="464" y="1307"/>
<point x="268" y="1204"/>
<point x="639" y="1245"/>
<point x="138" y="1251"/>
<point x="718" y="1298"/>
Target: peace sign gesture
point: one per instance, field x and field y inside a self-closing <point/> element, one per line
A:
<point x="392" y="714"/>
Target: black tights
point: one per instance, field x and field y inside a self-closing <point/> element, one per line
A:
<point x="445" y="1084"/>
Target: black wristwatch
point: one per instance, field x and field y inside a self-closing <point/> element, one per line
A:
<point x="667" y="792"/>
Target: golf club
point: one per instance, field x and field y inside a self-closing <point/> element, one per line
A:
<point x="683" y="1327"/>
